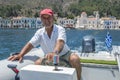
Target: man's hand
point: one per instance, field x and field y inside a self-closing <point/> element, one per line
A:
<point x="15" y="57"/>
<point x="24" y="51"/>
<point x="50" y="56"/>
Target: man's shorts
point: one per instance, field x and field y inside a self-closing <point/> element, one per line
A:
<point x="63" y="60"/>
<point x="66" y="56"/>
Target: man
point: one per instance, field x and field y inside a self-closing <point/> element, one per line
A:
<point x="52" y="39"/>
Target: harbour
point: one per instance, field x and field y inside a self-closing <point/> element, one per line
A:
<point x="92" y="32"/>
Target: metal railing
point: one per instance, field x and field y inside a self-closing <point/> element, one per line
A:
<point x="117" y="55"/>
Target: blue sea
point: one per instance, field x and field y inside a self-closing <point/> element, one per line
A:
<point x="12" y="40"/>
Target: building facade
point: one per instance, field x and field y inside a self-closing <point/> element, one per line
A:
<point x="67" y="23"/>
<point x="95" y="22"/>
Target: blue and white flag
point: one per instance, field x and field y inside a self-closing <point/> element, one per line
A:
<point x="108" y="41"/>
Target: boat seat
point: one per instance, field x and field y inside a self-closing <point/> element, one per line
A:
<point x="40" y="72"/>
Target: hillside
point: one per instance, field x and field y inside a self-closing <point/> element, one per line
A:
<point x="64" y="8"/>
<point x="32" y="6"/>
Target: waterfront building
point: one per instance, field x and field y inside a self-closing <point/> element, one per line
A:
<point x="8" y="23"/>
<point x="23" y="22"/>
<point x="88" y="22"/>
<point x="119" y="23"/>
<point x="16" y="22"/>
<point x="110" y="23"/>
<point x="29" y="22"/>
<point x="93" y="23"/>
<point x="5" y="23"/>
<point x="67" y="23"/>
<point x="38" y="23"/>
<point x="82" y="21"/>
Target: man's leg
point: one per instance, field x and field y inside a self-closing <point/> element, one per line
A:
<point x="38" y="61"/>
<point x="75" y="62"/>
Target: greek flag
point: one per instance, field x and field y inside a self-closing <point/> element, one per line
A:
<point x="108" y="41"/>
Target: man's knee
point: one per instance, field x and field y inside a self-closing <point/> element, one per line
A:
<point x="74" y="58"/>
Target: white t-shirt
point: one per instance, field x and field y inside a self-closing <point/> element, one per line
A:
<point x="47" y="44"/>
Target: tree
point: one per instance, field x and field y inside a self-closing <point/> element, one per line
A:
<point x="36" y="14"/>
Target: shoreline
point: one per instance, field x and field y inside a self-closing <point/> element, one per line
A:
<point x="65" y="28"/>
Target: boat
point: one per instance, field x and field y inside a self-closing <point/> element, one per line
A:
<point x="8" y="74"/>
<point x="89" y="71"/>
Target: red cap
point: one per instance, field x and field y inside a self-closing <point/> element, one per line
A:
<point x="46" y="11"/>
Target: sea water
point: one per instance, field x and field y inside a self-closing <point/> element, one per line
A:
<point x="13" y="40"/>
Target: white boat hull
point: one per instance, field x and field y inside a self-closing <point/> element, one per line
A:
<point x="8" y="74"/>
<point x="100" y="72"/>
<point x="89" y="72"/>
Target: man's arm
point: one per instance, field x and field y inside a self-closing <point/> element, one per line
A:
<point x="59" y="46"/>
<point x="25" y="50"/>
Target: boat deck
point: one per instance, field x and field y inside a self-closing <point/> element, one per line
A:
<point x="100" y="55"/>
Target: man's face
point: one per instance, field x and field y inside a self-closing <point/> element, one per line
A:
<point x="47" y="20"/>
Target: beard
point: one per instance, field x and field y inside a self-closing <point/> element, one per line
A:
<point x="47" y="25"/>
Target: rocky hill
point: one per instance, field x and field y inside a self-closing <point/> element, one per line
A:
<point x="69" y="8"/>
<point x="33" y="6"/>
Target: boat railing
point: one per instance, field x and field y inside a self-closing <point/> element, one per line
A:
<point x="116" y="51"/>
